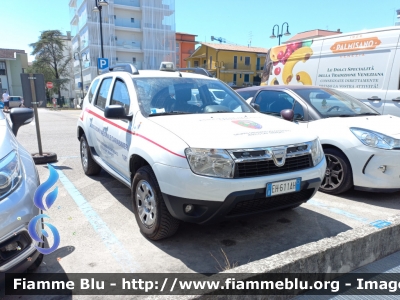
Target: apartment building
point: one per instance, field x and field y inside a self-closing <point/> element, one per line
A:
<point x="185" y="46"/>
<point x="236" y="65"/>
<point x="13" y="62"/>
<point x="141" y="32"/>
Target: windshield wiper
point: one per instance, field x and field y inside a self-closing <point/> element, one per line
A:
<point x="174" y="112"/>
<point x="271" y="114"/>
<point x="368" y="114"/>
<point x="219" y="111"/>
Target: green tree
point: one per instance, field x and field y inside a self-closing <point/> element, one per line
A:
<point x="52" y="59"/>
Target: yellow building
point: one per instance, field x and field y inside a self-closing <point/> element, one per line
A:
<point x="236" y="65"/>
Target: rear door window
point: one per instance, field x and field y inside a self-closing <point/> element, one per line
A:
<point x="103" y="93"/>
<point x="93" y="89"/>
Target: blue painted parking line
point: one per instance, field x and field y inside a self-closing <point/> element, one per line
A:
<point x="378" y="223"/>
<point x="116" y="248"/>
<point x="339" y="211"/>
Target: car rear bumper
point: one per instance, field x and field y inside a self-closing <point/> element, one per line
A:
<point x="238" y="204"/>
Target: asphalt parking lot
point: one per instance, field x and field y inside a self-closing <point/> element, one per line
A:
<point x="99" y="232"/>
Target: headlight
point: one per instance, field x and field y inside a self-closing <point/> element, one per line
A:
<point x="375" y="139"/>
<point x="210" y="162"/>
<point x="10" y="173"/>
<point x="316" y="152"/>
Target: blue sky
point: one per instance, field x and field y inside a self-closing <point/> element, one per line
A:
<point x="234" y="20"/>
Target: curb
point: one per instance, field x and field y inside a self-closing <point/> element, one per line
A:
<point x="340" y="254"/>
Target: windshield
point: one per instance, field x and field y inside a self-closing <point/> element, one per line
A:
<point x="332" y="103"/>
<point x="168" y="96"/>
<point x="246" y="94"/>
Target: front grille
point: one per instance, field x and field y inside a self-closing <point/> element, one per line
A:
<point x="270" y="203"/>
<point x="268" y="167"/>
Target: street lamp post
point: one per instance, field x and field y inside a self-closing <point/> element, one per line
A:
<point x="279" y="35"/>
<point x="79" y="56"/>
<point x="97" y="8"/>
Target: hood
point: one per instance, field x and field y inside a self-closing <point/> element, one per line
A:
<point x="385" y="124"/>
<point x="7" y="139"/>
<point x="233" y="130"/>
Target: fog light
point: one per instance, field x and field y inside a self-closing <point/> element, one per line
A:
<point x="10" y="247"/>
<point x="382" y="168"/>
<point x="189" y="208"/>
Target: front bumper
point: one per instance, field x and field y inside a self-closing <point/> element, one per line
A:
<point x="367" y="175"/>
<point x="238" y="204"/>
<point x="184" y="183"/>
<point x="16" y="211"/>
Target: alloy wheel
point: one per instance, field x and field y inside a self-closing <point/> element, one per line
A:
<point x="84" y="154"/>
<point x="146" y="203"/>
<point x="333" y="173"/>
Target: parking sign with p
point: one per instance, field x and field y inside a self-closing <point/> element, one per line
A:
<point x="102" y="63"/>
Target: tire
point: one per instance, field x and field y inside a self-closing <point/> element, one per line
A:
<point x="44" y="158"/>
<point x="153" y="218"/>
<point x="339" y="175"/>
<point x="90" y="167"/>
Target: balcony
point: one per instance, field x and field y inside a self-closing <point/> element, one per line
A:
<point x="74" y="30"/>
<point x="79" y="3"/>
<point x="134" y="3"/>
<point x="129" y="44"/>
<point x="84" y="44"/>
<point x="237" y="66"/>
<point x="72" y="12"/>
<point x="127" y="23"/>
<point x="153" y="26"/>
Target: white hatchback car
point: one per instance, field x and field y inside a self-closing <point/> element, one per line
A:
<point x="192" y="163"/>
<point x="362" y="147"/>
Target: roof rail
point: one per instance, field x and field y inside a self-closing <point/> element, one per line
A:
<point x="130" y="68"/>
<point x="196" y="70"/>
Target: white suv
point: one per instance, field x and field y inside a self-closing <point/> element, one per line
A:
<point x="194" y="163"/>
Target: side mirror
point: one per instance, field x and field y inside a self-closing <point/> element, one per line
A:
<point x="287" y="114"/>
<point x="20" y="117"/>
<point x="116" y="112"/>
<point x="255" y="106"/>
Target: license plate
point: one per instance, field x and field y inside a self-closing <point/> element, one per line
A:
<point x="283" y="187"/>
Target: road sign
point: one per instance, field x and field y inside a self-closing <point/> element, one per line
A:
<point x="102" y="63"/>
<point x="49" y="85"/>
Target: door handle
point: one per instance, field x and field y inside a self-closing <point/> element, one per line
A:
<point x="396" y="99"/>
<point x="375" y="98"/>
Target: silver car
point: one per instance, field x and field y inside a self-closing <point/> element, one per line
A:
<point x="14" y="101"/>
<point x="18" y="182"/>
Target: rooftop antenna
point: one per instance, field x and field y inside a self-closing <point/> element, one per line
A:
<point x="250" y="38"/>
